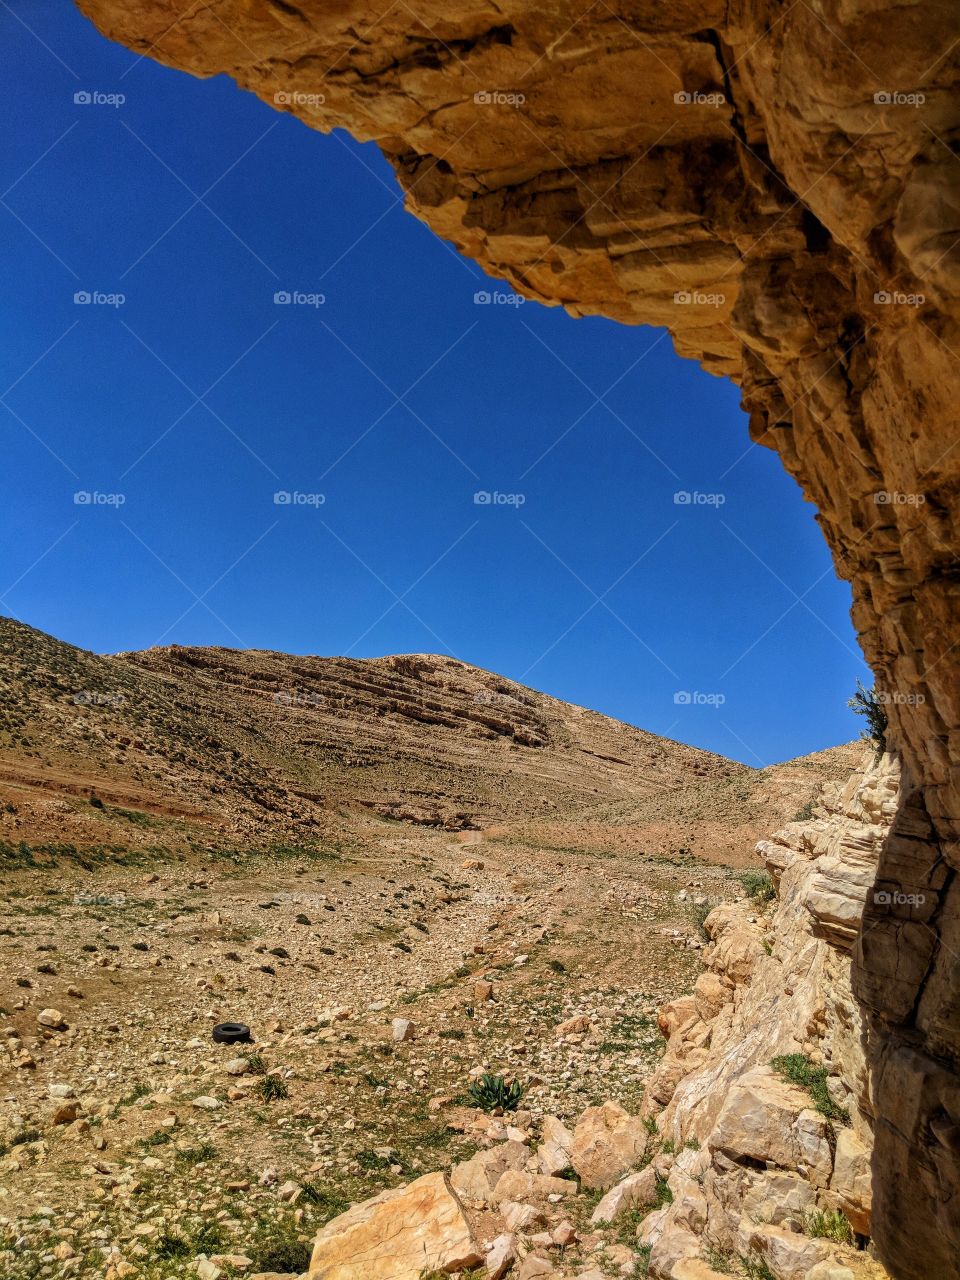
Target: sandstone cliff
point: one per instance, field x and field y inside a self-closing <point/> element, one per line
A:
<point x="776" y="184"/>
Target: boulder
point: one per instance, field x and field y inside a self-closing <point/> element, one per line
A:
<point x="607" y="1143"/>
<point x="502" y="1255"/>
<point x="476" y="1178"/>
<point x="515" y="1184"/>
<point x="632" y="1192"/>
<point x="851" y="1181"/>
<point x="765" y="1118"/>
<point x="788" y="1254"/>
<point x="397" y="1235"/>
<point x="554" y="1150"/>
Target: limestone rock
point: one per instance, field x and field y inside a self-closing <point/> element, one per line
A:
<point x="635" y="1190"/>
<point x="554" y="1151"/>
<point x="607" y="1143"/>
<point x="397" y="1235"/>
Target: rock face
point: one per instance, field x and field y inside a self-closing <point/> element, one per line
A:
<point x="398" y="1235"/>
<point x="758" y="1153"/>
<point x="775" y="184"/>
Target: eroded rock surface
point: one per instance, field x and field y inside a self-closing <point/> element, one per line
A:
<point x="758" y="1153"/>
<point x="776" y="184"/>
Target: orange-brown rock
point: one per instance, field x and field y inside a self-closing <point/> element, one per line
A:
<point x="777" y="184"/>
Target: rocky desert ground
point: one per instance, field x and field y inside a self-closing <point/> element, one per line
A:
<point x="407" y="877"/>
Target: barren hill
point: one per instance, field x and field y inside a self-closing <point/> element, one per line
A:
<point x="199" y="746"/>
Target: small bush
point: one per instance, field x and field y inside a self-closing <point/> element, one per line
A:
<point x="491" y="1092"/>
<point x="328" y="1204"/>
<point x="271" y="1088"/>
<point x="256" y="1064"/>
<point x="829" y="1224"/>
<point x="866" y="703"/>
<point x="199" y="1154"/>
<point x="805" y="812"/>
<point x="799" y="1070"/>
<point x="755" y="1268"/>
<point x="720" y="1260"/>
<point x="758" y="886"/>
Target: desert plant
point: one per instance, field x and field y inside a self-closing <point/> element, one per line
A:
<point x="867" y="703"/>
<point x="720" y="1260"/>
<point x="271" y="1088"/>
<point x="202" y="1152"/>
<point x="492" y="1092"/>
<point x="256" y="1064"/>
<point x="805" y="812"/>
<point x="757" y="885"/>
<point x="799" y="1070"/>
<point x="755" y="1267"/>
<point x="828" y="1224"/>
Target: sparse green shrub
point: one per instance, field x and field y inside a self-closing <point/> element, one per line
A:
<point x="799" y="1070"/>
<point x="755" y="1267"/>
<point x="758" y="886"/>
<point x="160" y="1138"/>
<point x="328" y="1204"/>
<point x="199" y="1154"/>
<point x="828" y="1224"/>
<point x="641" y="1267"/>
<point x="271" y="1088"/>
<point x="491" y="1092"/>
<point x="661" y="1193"/>
<point x="699" y="911"/>
<point x="256" y="1064"/>
<point x="867" y="703"/>
<point x="805" y="812"/>
<point x="720" y="1260"/>
<point x="277" y="1245"/>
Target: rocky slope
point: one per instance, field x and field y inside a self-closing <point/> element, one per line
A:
<point x="777" y="184"/>
<point x="752" y="1154"/>
<point x="210" y="748"/>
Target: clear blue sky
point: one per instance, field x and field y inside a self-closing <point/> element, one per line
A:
<point x="397" y="399"/>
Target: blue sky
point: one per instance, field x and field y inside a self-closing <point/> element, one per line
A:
<point x="383" y="411"/>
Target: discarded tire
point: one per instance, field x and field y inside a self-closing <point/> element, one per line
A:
<point x="232" y="1033"/>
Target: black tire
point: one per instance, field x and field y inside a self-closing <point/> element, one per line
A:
<point x="232" y="1033"/>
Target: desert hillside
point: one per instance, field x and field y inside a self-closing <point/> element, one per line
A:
<point x="188" y="748"/>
